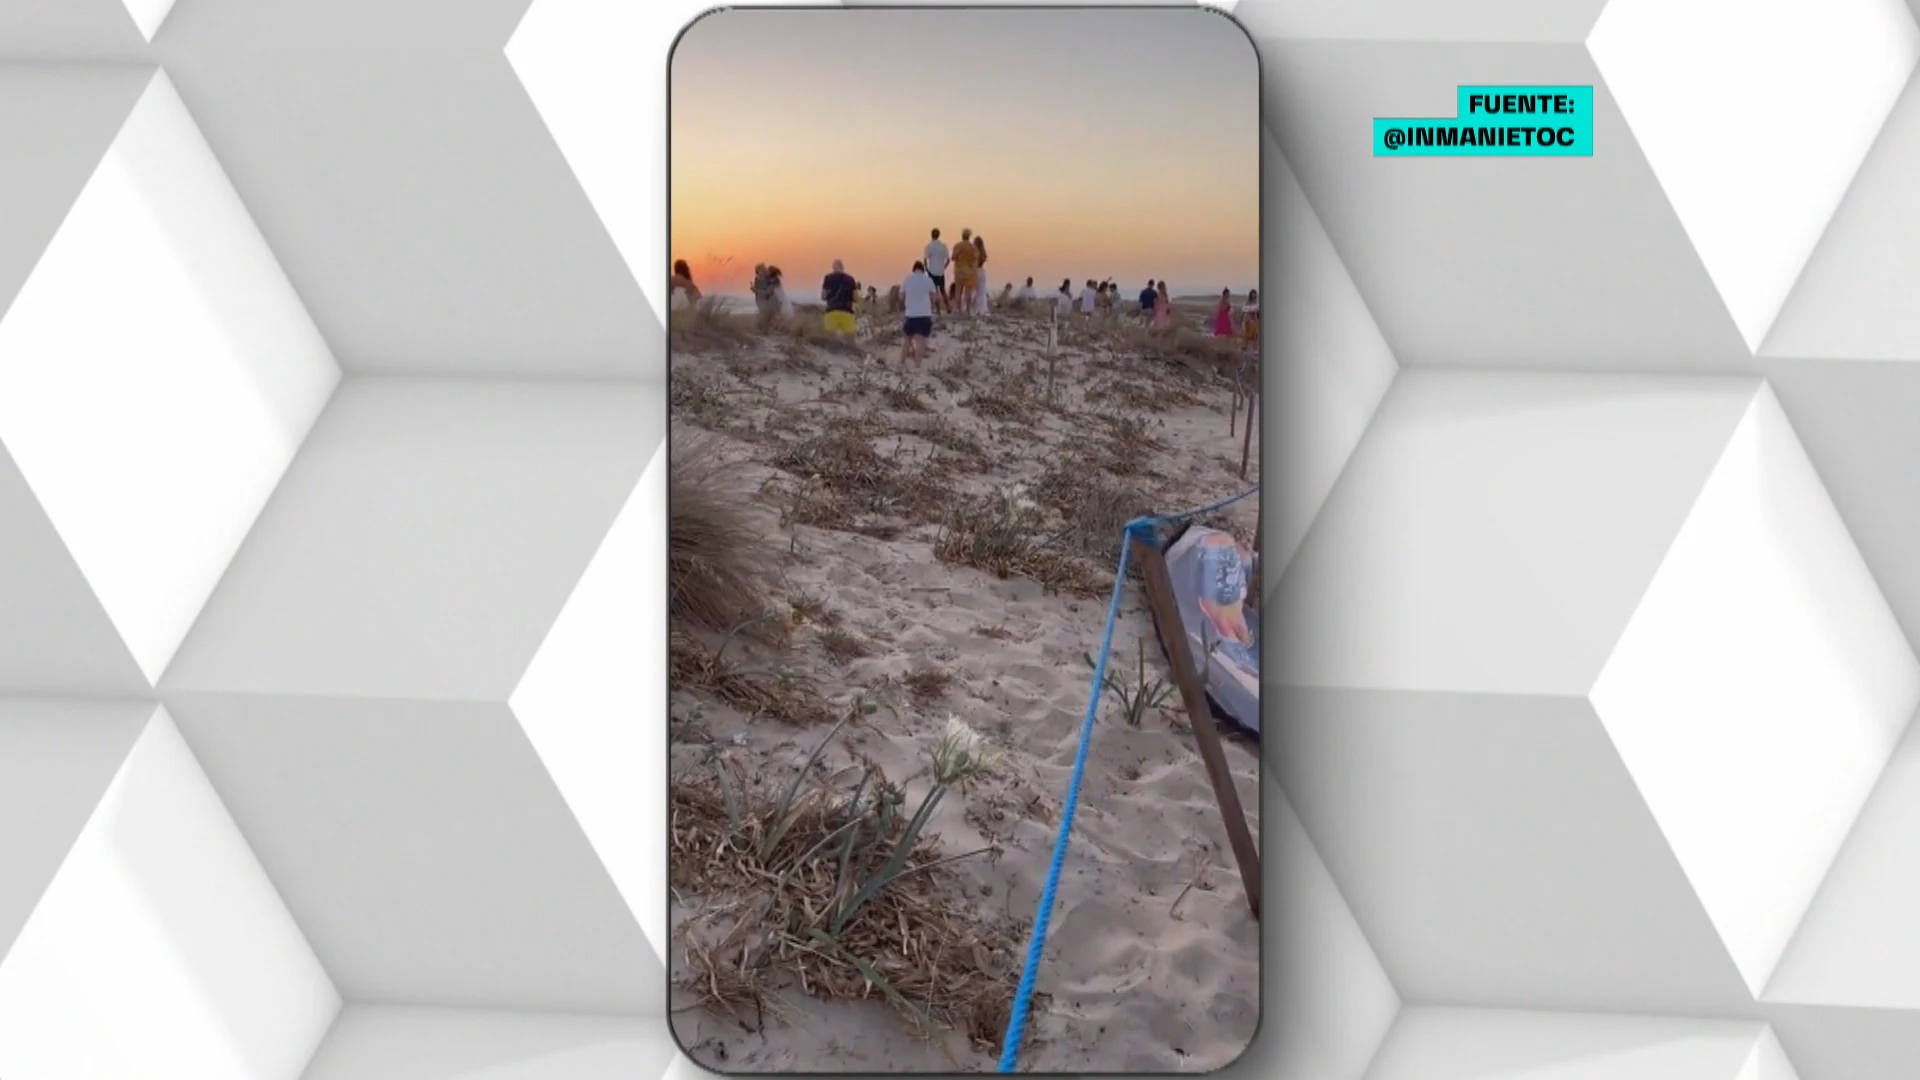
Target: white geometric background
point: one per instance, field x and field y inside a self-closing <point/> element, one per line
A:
<point x="331" y="508"/>
<point x="329" y="554"/>
<point x="1591" y="725"/>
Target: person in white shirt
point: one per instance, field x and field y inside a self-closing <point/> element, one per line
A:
<point x="981" y="305"/>
<point x="918" y="294"/>
<point x="1090" y="298"/>
<point x="936" y="267"/>
<point x="1063" y="300"/>
<point x="1026" y="291"/>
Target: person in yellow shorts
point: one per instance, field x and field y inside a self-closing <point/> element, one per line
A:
<point x="837" y="293"/>
<point x="966" y="262"/>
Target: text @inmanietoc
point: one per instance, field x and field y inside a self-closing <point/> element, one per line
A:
<point x="1497" y="121"/>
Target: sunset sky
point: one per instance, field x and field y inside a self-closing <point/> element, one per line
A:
<point x="1078" y="143"/>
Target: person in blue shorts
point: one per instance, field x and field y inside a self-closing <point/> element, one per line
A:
<point x="918" y="294"/>
<point x="1147" y="296"/>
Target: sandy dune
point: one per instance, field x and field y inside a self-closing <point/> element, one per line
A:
<point x="1134" y="981"/>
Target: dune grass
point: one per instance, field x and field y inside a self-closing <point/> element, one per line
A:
<point x="837" y="891"/>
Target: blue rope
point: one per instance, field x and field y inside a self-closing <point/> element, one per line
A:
<point x="1184" y="515"/>
<point x="1023" y="996"/>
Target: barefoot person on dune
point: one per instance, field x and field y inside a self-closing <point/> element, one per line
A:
<point x="918" y="293"/>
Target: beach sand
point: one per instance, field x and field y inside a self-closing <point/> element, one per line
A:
<point x="1152" y="960"/>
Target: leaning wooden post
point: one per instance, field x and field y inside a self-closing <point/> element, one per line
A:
<point x="1246" y="446"/>
<point x="1153" y="571"/>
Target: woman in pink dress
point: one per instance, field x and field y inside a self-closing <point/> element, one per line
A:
<point x="1223" y="315"/>
<point x="1162" y="307"/>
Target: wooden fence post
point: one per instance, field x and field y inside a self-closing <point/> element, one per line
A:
<point x="1233" y="413"/>
<point x="1246" y="446"/>
<point x="1053" y="349"/>
<point x="1153" y="571"/>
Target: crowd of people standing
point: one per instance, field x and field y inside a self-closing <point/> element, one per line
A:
<point x="968" y="293"/>
<point x="953" y="281"/>
<point x="1154" y="305"/>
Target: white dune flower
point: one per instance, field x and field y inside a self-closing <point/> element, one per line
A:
<point x="1020" y="503"/>
<point x="960" y="753"/>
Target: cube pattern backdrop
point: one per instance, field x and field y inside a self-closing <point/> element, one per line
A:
<point x="331" y="539"/>
<point x="1590" y="729"/>
<point x="330" y="554"/>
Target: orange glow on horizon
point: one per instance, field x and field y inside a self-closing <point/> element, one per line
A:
<point x="1098" y="144"/>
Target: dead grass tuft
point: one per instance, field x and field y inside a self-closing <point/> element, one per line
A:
<point x="1013" y="399"/>
<point x="717" y="561"/>
<point x="694" y="395"/>
<point x="906" y="397"/>
<point x="1094" y="508"/>
<point x="843" y="647"/>
<point x="845" y="482"/>
<point x="808" y="608"/>
<point x="798" y="356"/>
<point x="928" y="685"/>
<point x="708" y="327"/>
<point x="776" y="693"/>
<point x="1142" y="394"/>
<point x="838" y="892"/>
<point x="982" y="535"/>
<point x="964" y="447"/>
<point x="1128" y="444"/>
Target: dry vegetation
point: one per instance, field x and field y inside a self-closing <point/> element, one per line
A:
<point x="708" y="326"/>
<point x="794" y="881"/>
<point x="840" y="891"/>
<point x="717" y="560"/>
